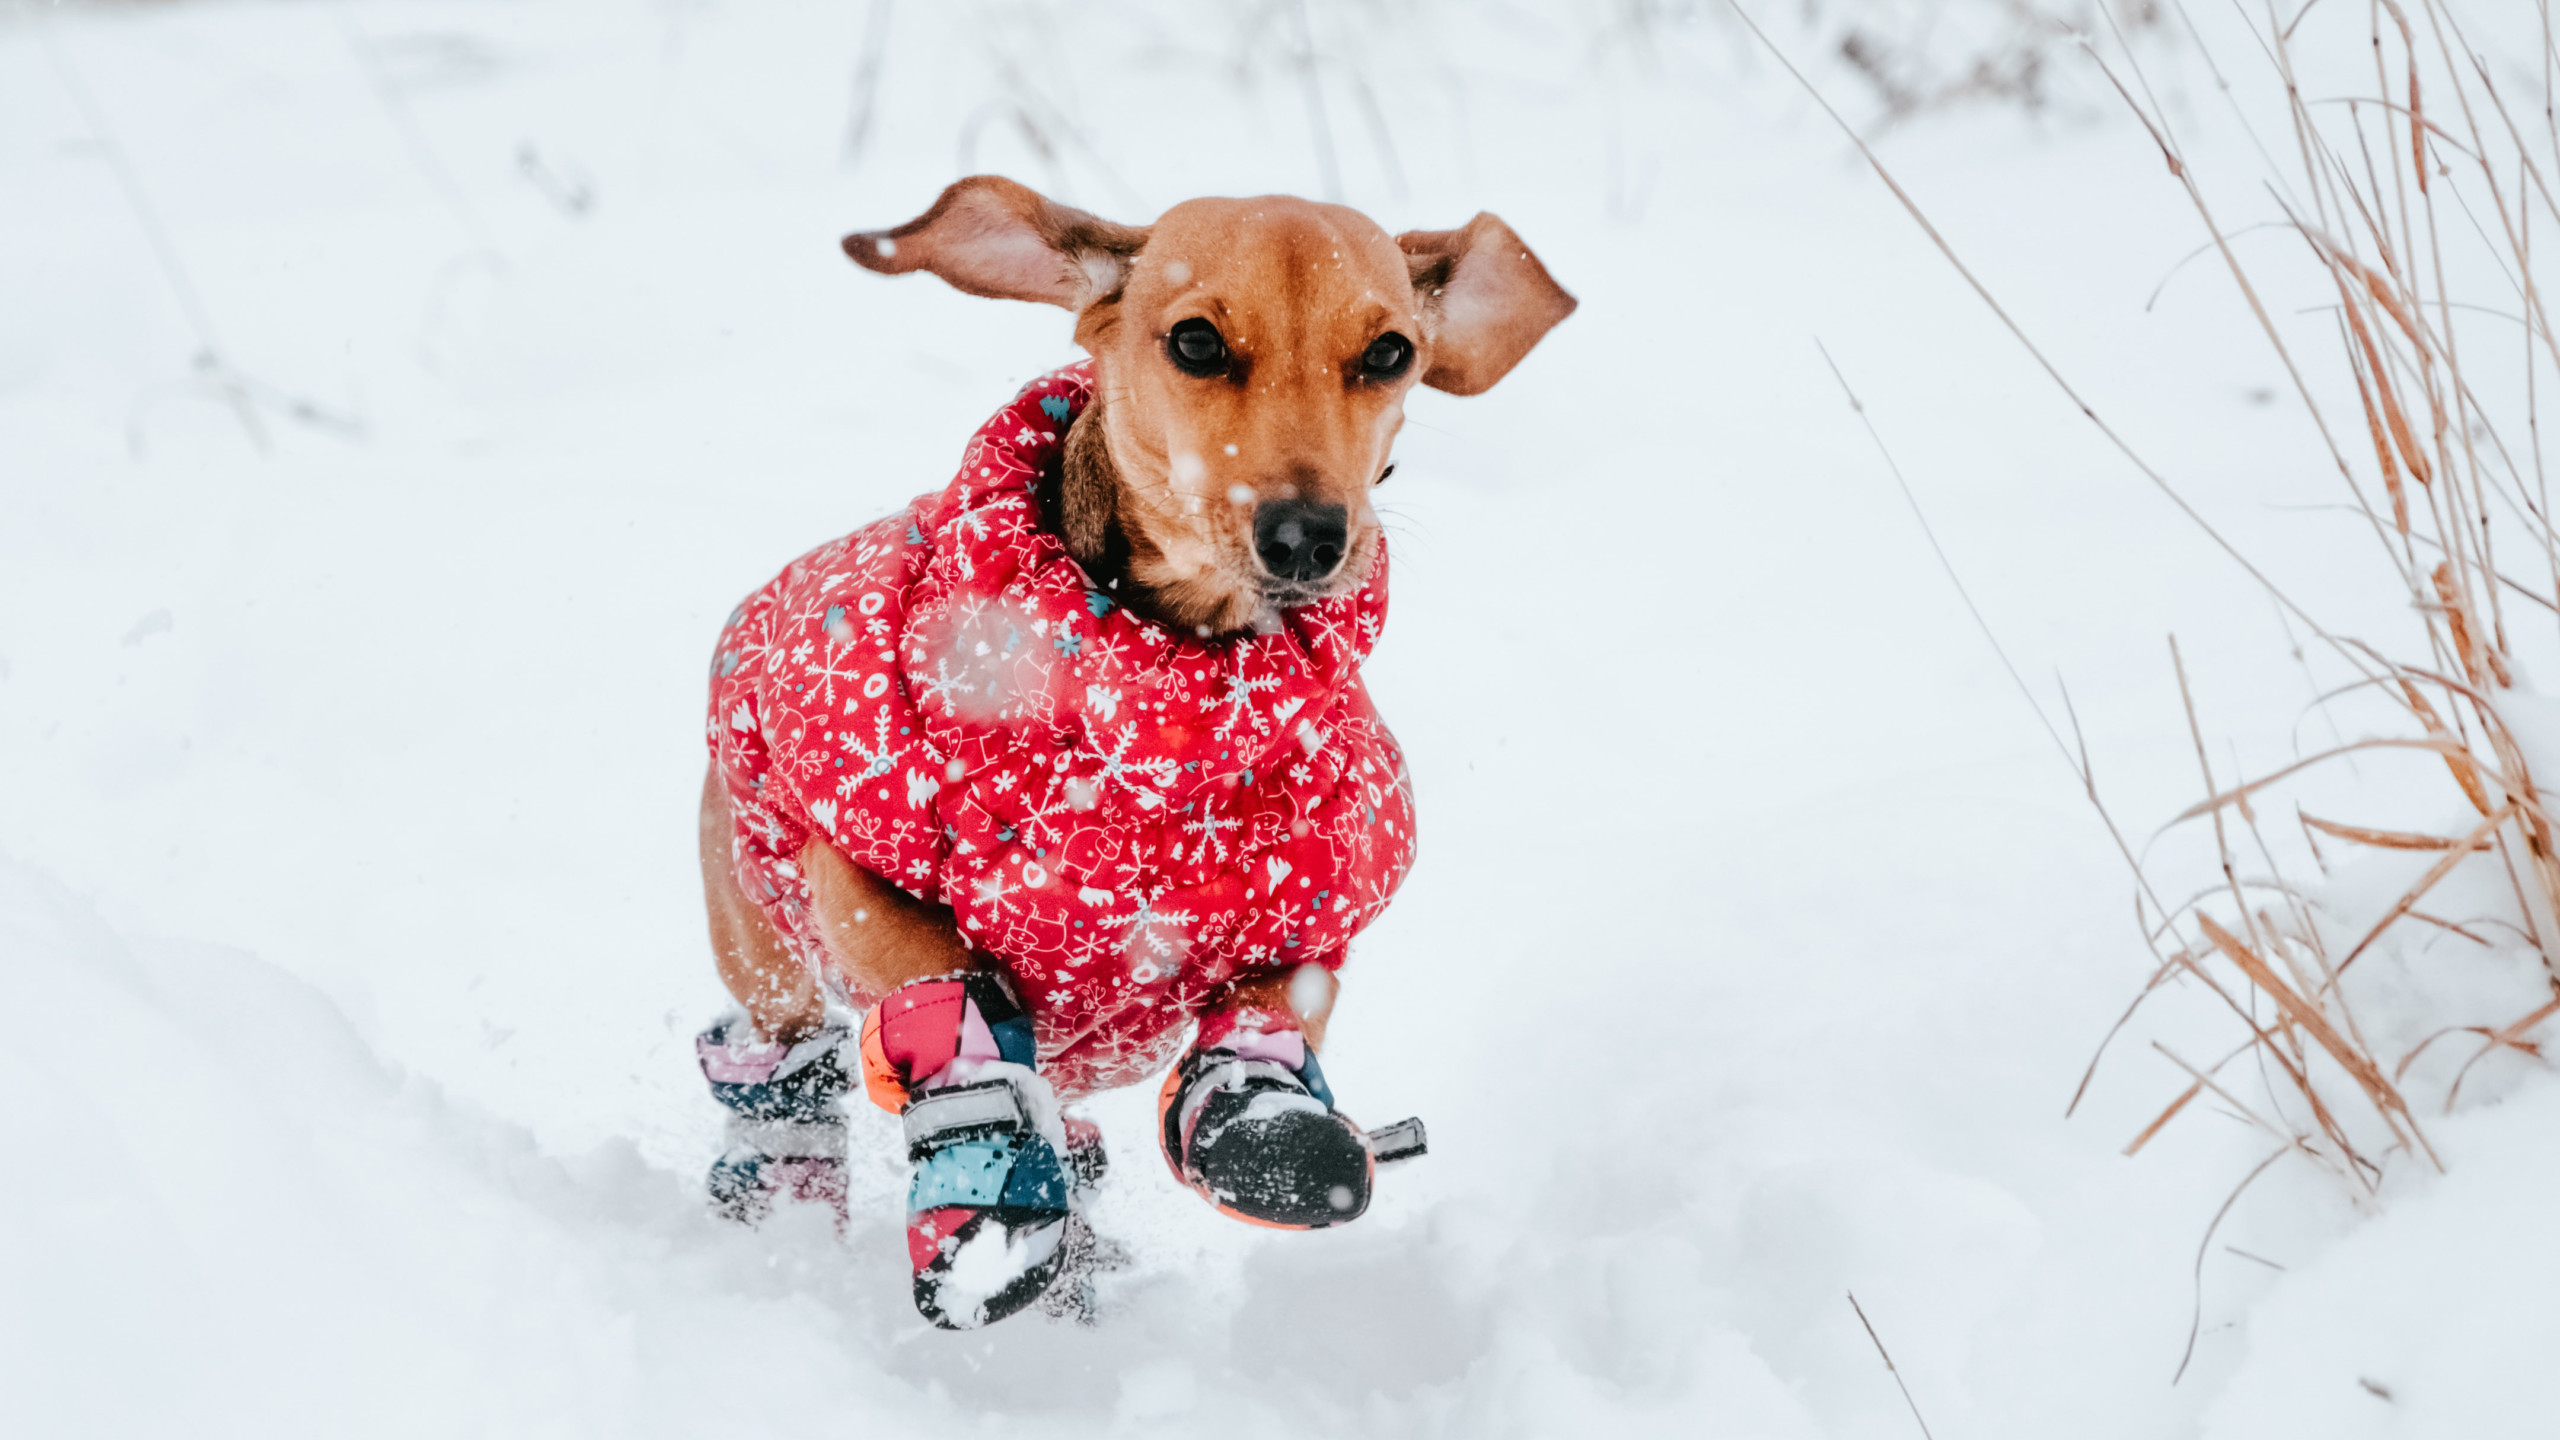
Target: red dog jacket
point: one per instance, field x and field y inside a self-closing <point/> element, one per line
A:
<point x="1122" y="818"/>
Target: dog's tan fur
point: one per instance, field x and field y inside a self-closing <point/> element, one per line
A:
<point x="1164" y="468"/>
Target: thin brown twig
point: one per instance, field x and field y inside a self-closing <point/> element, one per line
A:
<point x="2195" y="1317"/>
<point x="1889" y="1367"/>
<point x="2017" y="332"/>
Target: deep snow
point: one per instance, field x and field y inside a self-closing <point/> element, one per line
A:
<point x="349" y="922"/>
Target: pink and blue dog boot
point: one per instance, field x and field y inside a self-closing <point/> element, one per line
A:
<point x="1248" y="1123"/>
<point x="786" y="1135"/>
<point x="990" y="1225"/>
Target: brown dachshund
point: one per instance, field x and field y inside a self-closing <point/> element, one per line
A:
<point x="1198" y="496"/>
<point x="1252" y="359"/>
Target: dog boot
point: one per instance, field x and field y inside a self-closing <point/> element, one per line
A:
<point x="1248" y="1122"/>
<point x="786" y="1133"/>
<point x="989" y="1218"/>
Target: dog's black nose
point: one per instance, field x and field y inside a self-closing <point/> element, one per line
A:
<point x="1299" y="541"/>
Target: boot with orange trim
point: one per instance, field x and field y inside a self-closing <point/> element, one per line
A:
<point x="990" y="1218"/>
<point x="1248" y="1122"/>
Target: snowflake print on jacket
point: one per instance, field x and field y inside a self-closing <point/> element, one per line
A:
<point x="1122" y="818"/>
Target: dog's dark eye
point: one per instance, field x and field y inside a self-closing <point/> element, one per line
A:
<point x="1386" y="357"/>
<point x="1195" y="346"/>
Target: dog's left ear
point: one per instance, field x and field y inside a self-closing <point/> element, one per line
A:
<point x="989" y="236"/>
<point x="1486" y="301"/>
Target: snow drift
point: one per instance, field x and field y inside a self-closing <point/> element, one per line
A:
<point x="396" y="722"/>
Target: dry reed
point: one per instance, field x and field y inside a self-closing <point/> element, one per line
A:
<point x="2429" y="171"/>
<point x="2367" y="208"/>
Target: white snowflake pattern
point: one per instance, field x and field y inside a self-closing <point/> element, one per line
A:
<point x="1211" y="828"/>
<point x="878" y="758"/>
<point x="1117" y="767"/>
<point x="990" y="889"/>
<point x="1329" y="627"/>
<point x="943" y="686"/>
<point x="1136" y="869"/>
<point x="834" y="665"/>
<point x="1105" y="651"/>
<point x="1144" y="928"/>
<point x="1239" y="702"/>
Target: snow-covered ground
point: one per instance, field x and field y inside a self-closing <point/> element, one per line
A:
<point x="349" y="928"/>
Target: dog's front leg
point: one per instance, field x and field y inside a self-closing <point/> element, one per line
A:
<point x="882" y="936"/>
<point x="1307" y="992"/>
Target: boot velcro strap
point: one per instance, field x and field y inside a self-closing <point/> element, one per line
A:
<point x="1231" y="1073"/>
<point x="1403" y="1140"/>
<point x="958" y="1112"/>
<point x="787" y="1139"/>
<point x="1219" y="1072"/>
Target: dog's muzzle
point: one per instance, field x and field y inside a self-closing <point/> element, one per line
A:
<point x="1299" y="542"/>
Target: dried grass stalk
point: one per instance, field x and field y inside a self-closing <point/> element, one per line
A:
<point x="2380" y="231"/>
<point x="2401" y="354"/>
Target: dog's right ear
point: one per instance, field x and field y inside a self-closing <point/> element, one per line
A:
<point x="989" y="236"/>
<point x="1486" y="301"/>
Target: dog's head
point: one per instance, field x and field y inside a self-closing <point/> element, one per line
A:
<point x="1252" y="359"/>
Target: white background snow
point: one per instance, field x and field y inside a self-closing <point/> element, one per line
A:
<point x="350" y="935"/>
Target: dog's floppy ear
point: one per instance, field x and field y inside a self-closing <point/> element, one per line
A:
<point x="989" y="236"/>
<point x="1485" y="301"/>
